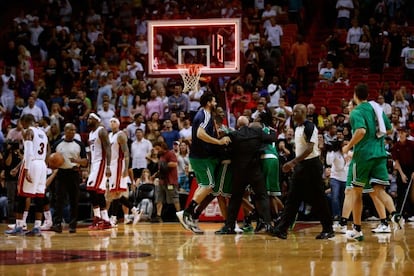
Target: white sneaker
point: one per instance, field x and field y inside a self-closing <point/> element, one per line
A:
<point x="411" y="218"/>
<point x="196" y="228"/>
<point x="185" y="219"/>
<point x="382" y="228"/>
<point x="137" y="218"/>
<point x="137" y="215"/>
<point x="373" y="218"/>
<point x="340" y="229"/>
<point x="354" y="235"/>
<point x="46" y="226"/>
<point x="237" y="229"/>
<point x="12" y="226"/>
<point x="113" y="220"/>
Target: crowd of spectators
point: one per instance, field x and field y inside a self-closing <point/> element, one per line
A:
<point x="62" y="61"/>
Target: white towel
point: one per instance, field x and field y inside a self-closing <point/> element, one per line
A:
<point x="381" y="130"/>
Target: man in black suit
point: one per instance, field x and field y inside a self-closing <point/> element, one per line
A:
<point x="247" y="145"/>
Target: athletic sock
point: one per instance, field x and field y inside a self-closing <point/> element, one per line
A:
<point x="384" y="221"/>
<point x="48" y="215"/>
<point x="97" y="212"/>
<point x="104" y="215"/>
<point x="197" y="213"/>
<point x="19" y="222"/>
<point x="37" y="223"/>
<point x="343" y="221"/>
<point x="190" y="209"/>
<point x="25" y="214"/>
<point x="357" y="227"/>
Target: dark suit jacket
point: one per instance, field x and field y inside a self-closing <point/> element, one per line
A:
<point x="247" y="144"/>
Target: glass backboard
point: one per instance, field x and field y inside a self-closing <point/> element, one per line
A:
<point x="214" y="43"/>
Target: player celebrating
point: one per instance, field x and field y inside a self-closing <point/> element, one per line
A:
<point x="202" y="156"/>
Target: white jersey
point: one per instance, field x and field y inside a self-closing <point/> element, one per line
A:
<point x="117" y="183"/>
<point x="40" y="142"/>
<point x="116" y="152"/>
<point x="36" y="167"/>
<point x="95" y="145"/>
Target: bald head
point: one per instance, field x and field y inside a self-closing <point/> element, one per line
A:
<point x="299" y="113"/>
<point x="242" y="121"/>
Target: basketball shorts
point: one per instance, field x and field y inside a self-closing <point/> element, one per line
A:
<point x="97" y="179"/>
<point x="270" y="168"/>
<point x="205" y="170"/>
<point x="38" y="173"/>
<point x="223" y="180"/>
<point x="367" y="173"/>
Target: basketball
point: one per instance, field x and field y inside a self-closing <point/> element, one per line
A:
<point x="56" y="160"/>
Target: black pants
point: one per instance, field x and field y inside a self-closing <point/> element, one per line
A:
<point x="241" y="178"/>
<point x="67" y="187"/>
<point x="11" y="186"/>
<point x="306" y="186"/>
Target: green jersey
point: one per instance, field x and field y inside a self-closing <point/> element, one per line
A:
<point x="371" y="146"/>
<point x="271" y="148"/>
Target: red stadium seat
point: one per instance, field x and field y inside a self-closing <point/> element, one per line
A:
<point x="374" y="77"/>
<point x="333" y="109"/>
<point x="406" y="83"/>
<point x="318" y="102"/>
<point x="334" y="101"/>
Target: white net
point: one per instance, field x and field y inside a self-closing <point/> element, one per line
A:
<point x="190" y="74"/>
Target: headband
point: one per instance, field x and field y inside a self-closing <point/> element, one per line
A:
<point x="94" y="116"/>
<point x="115" y="120"/>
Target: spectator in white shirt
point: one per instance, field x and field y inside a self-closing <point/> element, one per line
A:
<point x="140" y="149"/>
<point x="327" y="73"/>
<point x="137" y="124"/>
<point x="386" y="107"/>
<point x="33" y="109"/>
<point x="106" y="115"/>
<point x="185" y="132"/>
<point x="133" y="67"/>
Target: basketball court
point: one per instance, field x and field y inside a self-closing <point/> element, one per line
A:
<point x="168" y="249"/>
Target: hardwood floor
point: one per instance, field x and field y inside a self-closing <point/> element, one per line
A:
<point x="168" y="249"/>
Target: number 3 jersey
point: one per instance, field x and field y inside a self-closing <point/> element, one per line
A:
<point x="39" y="144"/>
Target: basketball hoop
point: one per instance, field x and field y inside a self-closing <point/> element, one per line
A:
<point x="190" y="74"/>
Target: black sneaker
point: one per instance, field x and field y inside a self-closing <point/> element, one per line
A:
<point x="72" y="230"/>
<point x="280" y="234"/>
<point x="260" y="226"/>
<point x="56" y="228"/>
<point x="225" y="231"/>
<point x="325" y="235"/>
